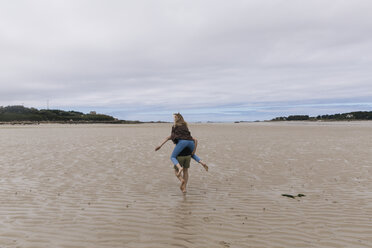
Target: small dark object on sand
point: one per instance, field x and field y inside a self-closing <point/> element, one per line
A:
<point x="293" y="196"/>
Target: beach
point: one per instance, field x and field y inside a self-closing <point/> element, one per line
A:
<point x="105" y="186"/>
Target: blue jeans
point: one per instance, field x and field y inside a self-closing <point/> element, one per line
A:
<point x="182" y="144"/>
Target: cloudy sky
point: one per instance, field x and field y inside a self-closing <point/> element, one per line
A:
<point x="208" y="59"/>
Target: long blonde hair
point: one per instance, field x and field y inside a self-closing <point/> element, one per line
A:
<point x="178" y="120"/>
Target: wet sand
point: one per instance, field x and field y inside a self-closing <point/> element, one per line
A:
<point x="104" y="186"/>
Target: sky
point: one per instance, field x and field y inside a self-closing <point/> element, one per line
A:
<point x="210" y="60"/>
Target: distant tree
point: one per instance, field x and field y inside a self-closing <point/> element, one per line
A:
<point x="21" y="113"/>
<point x="359" y="115"/>
<point x="298" y="118"/>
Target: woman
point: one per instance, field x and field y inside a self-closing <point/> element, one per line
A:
<point x="182" y="138"/>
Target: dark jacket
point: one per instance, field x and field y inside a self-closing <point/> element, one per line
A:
<point x="180" y="133"/>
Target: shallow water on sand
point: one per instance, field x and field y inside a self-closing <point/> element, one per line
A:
<point x="104" y="186"/>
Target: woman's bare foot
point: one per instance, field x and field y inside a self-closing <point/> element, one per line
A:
<point x="204" y="165"/>
<point x="179" y="171"/>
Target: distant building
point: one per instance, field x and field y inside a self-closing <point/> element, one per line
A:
<point x="93" y="112"/>
<point x="349" y="116"/>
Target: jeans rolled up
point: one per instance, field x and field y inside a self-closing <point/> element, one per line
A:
<point x="182" y="144"/>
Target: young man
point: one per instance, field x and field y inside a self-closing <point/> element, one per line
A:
<point x="184" y="159"/>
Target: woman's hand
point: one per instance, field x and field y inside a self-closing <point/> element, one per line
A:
<point x="157" y="148"/>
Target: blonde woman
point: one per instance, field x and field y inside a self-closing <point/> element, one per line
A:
<point x="181" y="136"/>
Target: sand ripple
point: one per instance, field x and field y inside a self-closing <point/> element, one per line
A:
<point x="104" y="186"/>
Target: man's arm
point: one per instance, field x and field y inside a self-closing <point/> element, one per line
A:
<point x="196" y="144"/>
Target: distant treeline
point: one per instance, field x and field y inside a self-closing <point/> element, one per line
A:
<point x="360" y="115"/>
<point x="23" y="114"/>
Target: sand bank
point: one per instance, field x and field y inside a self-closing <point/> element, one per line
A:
<point x="104" y="186"/>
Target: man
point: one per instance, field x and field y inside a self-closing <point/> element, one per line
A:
<point x="184" y="159"/>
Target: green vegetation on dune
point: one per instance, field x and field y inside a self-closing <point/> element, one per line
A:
<point x="359" y="115"/>
<point x="21" y="114"/>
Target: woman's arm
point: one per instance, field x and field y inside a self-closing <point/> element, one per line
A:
<point x="165" y="141"/>
<point x="196" y="144"/>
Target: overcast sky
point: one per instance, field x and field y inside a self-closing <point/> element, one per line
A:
<point x="209" y="59"/>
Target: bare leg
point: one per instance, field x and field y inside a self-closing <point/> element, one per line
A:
<point x="204" y="165"/>
<point x="185" y="178"/>
<point x="181" y="180"/>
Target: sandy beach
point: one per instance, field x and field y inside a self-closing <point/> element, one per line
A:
<point x="105" y="186"/>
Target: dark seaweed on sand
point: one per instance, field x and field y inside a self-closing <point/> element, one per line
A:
<point x="293" y="196"/>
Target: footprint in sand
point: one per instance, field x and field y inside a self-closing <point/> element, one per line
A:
<point x="207" y="219"/>
<point x="224" y="244"/>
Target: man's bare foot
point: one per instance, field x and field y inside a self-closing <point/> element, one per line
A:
<point x="204" y="165"/>
<point x="183" y="186"/>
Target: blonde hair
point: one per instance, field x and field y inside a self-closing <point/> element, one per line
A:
<point x="178" y="120"/>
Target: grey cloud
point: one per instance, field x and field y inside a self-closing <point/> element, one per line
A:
<point x="183" y="54"/>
